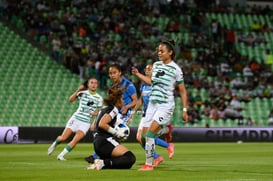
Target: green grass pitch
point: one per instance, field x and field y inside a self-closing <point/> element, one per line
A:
<point x="192" y="161"/>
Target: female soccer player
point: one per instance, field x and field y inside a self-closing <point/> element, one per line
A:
<point x="129" y="97"/>
<point x="129" y="94"/>
<point x="89" y="106"/>
<point x="165" y="75"/>
<point x="145" y="90"/>
<point x="112" y="154"/>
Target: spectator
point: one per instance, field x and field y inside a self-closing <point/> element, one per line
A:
<point x="237" y="82"/>
<point x="205" y="109"/>
<point x="68" y="55"/>
<point x="247" y="73"/>
<point x="268" y="60"/>
<point x="255" y="66"/>
<point x="226" y="93"/>
<point x="91" y="72"/>
<point x="216" y="30"/>
<point x="213" y="91"/>
<point x="230" y="113"/>
<point x="215" y="113"/>
<point x="193" y="115"/>
<point x="225" y="69"/>
<point x="249" y="122"/>
<point x="56" y="46"/>
<point x="230" y="40"/>
<point x="235" y="103"/>
<point x="256" y="26"/>
<point x="198" y="101"/>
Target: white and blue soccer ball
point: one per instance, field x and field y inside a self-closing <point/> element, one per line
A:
<point x="124" y="130"/>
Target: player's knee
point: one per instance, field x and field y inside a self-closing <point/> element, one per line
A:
<point x="61" y="139"/>
<point x="131" y="158"/>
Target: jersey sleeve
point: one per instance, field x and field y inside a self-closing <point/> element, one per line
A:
<point x="113" y="112"/>
<point x="131" y="89"/>
<point x="100" y="103"/>
<point x="80" y="94"/>
<point x="179" y="76"/>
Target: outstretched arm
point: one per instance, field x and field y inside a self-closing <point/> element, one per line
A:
<point x="124" y="109"/>
<point x="73" y="97"/>
<point x="137" y="106"/>
<point x="142" y="77"/>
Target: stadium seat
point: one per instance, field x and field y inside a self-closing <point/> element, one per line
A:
<point x="29" y="70"/>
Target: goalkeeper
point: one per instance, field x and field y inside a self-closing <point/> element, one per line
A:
<point x="112" y="154"/>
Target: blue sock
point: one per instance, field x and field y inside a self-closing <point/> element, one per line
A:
<point x="95" y="155"/>
<point x="161" y="142"/>
<point x="155" y="154"/>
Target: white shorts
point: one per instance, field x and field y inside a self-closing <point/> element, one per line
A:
<point x="76" y="125"/>
<point x="161" y="113"/>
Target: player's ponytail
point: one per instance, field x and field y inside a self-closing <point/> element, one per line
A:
<point x="114" y="94"/>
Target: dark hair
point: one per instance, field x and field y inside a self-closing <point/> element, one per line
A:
<point x="114" y="94"/>
<point x="85" y="83"/>
<point x="170" y="44"/>
<point x="117" y="66"/>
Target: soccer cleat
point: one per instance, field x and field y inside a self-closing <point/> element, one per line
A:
<point x="98" y="164"/>
<point x="168" y="136"/>
<point x="61" y="158"/>
<point x="146" y="168"/>
<point x="51" y="149"/>
<point x="89" y="159"/>
<point x="170" y="150"/>
<point x="158" y="160"/>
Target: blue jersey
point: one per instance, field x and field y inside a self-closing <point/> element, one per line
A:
<point x="130" y="90"/>
<point x="145" y="90"/>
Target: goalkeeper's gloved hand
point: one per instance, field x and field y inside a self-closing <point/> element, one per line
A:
<point x="115" y="132"/>
<point x="119" y="134"/>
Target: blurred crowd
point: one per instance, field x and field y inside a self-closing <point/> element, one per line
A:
<point x="87" y="35"/>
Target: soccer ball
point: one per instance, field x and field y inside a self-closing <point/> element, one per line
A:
<point x="124" y="129"/>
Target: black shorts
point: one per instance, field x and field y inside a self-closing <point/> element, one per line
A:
<point x="104" y="146"/>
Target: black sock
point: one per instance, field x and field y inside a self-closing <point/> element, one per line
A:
<point x="125" y="161"/>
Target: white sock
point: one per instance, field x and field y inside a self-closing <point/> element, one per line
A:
<point x="53" y="144"/>
<point x="150" y="149"/>
<point x="64" y="152"/>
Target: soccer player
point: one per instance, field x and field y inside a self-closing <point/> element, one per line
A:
<point x="165" y="75"/>
<point x="79" y="123"/>
<point x="129" y="97"/>
<point x="145" y="90"/>
<point x="112" y="154"/>
<point x="129" y="94"/>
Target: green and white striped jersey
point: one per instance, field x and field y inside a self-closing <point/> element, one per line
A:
<point x="88" y="103"/>
<point x="164" y="78"/>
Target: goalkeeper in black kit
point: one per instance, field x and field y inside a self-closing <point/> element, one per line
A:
<point x="106" y="142"/>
